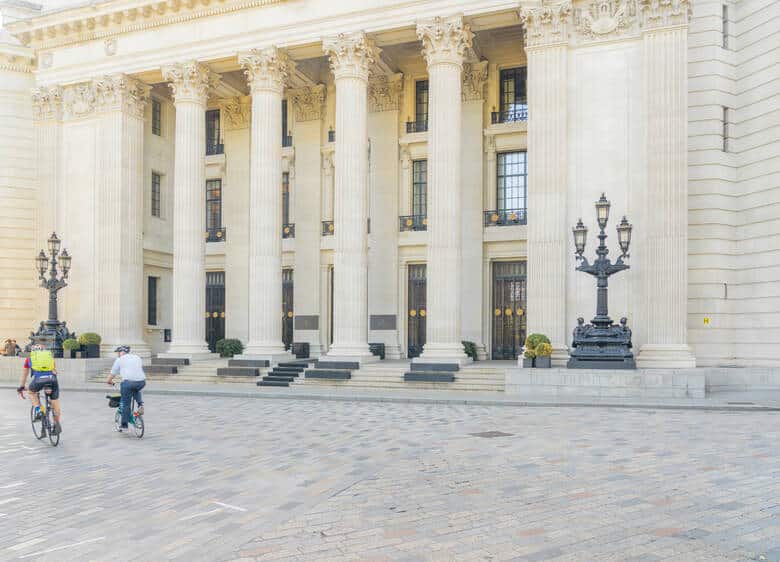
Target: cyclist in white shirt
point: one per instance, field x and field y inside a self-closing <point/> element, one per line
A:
<point x="130" y="368"/>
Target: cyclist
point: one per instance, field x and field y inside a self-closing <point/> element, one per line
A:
<point x="128" y="366"/>
<point x="44" y="373"/>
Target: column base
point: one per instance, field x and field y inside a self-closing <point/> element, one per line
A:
<point x="450" y="353"/>
<point x="193" y="352"/>
<point x="349" y="353"/>
<point x="272" y="358"/>
<point x="560" y="355"/>
<point x="392" y="351"/>
<point x="665" y="356"/>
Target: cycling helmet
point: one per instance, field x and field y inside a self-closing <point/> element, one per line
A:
<point x="122" y="349"/>
<point x="37" y="347"/>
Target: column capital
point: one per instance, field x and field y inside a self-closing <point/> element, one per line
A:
<point x="266" y="69"/>
<point x="384" y="92"/>
<point x="119" y="92"/>
<point x="351" y="55"/>
<point x="47" y="103"/>
<point x="307" y="102"/>
<point x="445" y="40"/>
<point x="664" y="13"/>
<point x="474" y="80"/>
<point x="235" y="112"/>
<point x="190" y="81"/>
<point x="546" y="24"/>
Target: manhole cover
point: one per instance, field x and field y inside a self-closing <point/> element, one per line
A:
<point x="488" y="434"/>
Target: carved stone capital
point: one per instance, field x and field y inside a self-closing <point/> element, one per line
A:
<point x="265" y="69"/>
<point x="351" y="55"/>
<point x="119" y="92"/>
<point x="664" y="13"/>
<point x="235" y="113"/>
<point x="445" y="40"/>
<point x="546" y="24"/>
<point x="79" y="100"/>
<point x="47" y="103"/>
<point x="602" y="19"/>
<point x="474" y="80"/>
<point x="190" y="81"/>
<point x="308" y="102"/>
<point x="384" y="92"/>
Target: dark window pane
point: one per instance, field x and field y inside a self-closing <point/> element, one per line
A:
<point x="513" y="100"/>
<point x="421" y="101"/>
<point x="213" y="140"/>
<point x="511" y="184"/>
<point x="156" y="117"/>
<point x="156" y="178"/>
<point x="285" y="198"/>
<point x="419" y="187"/>
<point x="284" y="122"/>
<point x="151" y="310"/>
<point x="213" y="204"/>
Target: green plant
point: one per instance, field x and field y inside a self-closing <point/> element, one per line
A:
<point x="229" y="347"/>
<point x="544" y="349"/>
<point x="533" y="340"/>
<point x="71" y="345"/>
<point x="470" y="349"/>
<point x="529" y="353"/>
<point x="90" y="338"/>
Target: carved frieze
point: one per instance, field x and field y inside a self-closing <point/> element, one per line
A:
<point x="351" y="55"/>
<point x="235" y="113"/>
<point x="47" y="103"/>
<point x="384" y="92"/>
<point x="602" y="19"/>
<point x="265" y="69"/>
<point x="546" y="24"/>
<point x="190" y="81"/>
<point x="474" y="80"/>
<point x="120" y="92"/>
<point x="308" y="102"/>
<point x="664" y="13"/>
<point x="445" y="40"/>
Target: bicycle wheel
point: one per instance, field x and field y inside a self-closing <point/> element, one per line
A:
<point x="37" y="424"/>
<point x="138" y="425"/>
<point x="54" y="437"/>
<point x="118" y="418"/>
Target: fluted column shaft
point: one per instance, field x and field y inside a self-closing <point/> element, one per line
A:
<point x="189" y="82"/>
<point x="266" y="71"/>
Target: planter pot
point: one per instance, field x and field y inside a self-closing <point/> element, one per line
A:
<point x="543" y="363"/>
<point x="92" y="351"/>
<point x="73" y="353"/>
<point x="527" y="363"/>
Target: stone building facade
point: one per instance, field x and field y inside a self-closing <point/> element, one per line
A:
<point x="344" y="173"/>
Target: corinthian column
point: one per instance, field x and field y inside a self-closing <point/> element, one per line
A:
<point x="444" y="46"/>
<point x="266" y="71"/>
<point x="547" y="51"/>
<point x="665" y="50"/>
<point x="190" y="82"/>
<point x="350" y="59"/>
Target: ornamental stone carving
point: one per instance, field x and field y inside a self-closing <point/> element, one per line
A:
<point x="308" y="102"/>
<point x="351" y="55"/>
<point x="546" y="24"/>
<point x="120" y="92"/>
<point x="190" y="81"/>
<point x="235" y="113"/>
<point x="445" y="40"/>
<point x="605" y="18"/>
<point x="664" y="13"/>
<point x="384" y="92"/>
<point x="265" y="69"/>
<point x="78" y="100"/>
<point x="47" y="103"/>
<point x="474" y="80"/>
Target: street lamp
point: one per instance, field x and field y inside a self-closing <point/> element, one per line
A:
<point x="52" y="332"/>
<point x="601" y="344"/>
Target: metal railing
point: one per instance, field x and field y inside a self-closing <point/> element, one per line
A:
<point x="408" y="223"/>
<point x="505" y="218"/>
<point x="327" y="228"/>
<point x="509" y="115"/>
<point x="288" y="230"/>
<point x="286" y="141"/>
<point x="214" y="147"/>
<point x="416" y="126"/>
<point x="215" y="234"/>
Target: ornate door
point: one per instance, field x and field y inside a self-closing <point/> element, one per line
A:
<point x="288" y="311"/>
<point x="215" y="308"/>
<point x="509" y="295"/>
<point x="416" y="311"/>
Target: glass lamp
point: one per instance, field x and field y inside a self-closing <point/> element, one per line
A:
<point x="54" y="244"/>
<point x="65" y="262"/>
<point x="580" y="236"/>
<point x="602" y="211"/>
<point x="624" y="235"/>
<point x="43" y="262"/>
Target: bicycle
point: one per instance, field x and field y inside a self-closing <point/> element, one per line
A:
<point x="136" y="419"/>
<point x="43" y="424"/>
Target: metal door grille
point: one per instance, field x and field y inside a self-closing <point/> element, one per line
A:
<point x="416" y="310"/>
<point x="288" y="312"/>
<point x="215" y="308"/>
<point x="509" y="298"/>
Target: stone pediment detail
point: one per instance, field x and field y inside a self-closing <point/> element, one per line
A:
<point x="308" y="102"/>
<point x="474" y="80"/>
<point x="47" y="103"/>
<point x="664" y="13"/>
<point x="116" y="92"/>
<point x="235" y="113"/>
<point x="546" y="24"/>
<point x="602" y="19"/>
<point x="384" y="92"/>
<point x="445" y="40"/>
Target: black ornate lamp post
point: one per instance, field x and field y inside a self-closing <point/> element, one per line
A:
<point x="602" y="344"/>
<point x="52" y="332"/>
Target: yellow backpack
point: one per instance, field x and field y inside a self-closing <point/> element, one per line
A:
<point x="42" y="361"/>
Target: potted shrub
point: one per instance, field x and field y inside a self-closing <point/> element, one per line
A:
<point x="90" y="344"/>
<point x="528" y="357"/>
<point x="71" y="345"/>
<point x="229" y="347"/>
<point x="532" y="343"/>
<point x="470" y="349"/>
<point x="543" y="353"/>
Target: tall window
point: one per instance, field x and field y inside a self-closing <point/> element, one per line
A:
<point x="725" y="129"/>
<point x="513" y="102"/>
<point x="285" y="141"/>
<point x="725" y="22"/>
<point x="213" y="142"/>
<point x="156" y="117"/>
<point x="285" y="198"/>
<point x="421" y="104"/>
<point x="156" y="180"/>
<point x="151" y="305"/>
<point x="419" y="187"/>
<point x="213" y="205"/>
<point x="511" y="181"/>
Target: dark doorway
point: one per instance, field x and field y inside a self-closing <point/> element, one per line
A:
<point x="288" y="311"/>
<point x="331" y="305"/>
<point x="215" y="308"/>
<point x="509" y="295"/>
<point x="416" y="311"/>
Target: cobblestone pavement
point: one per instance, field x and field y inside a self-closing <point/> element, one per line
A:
<point x="230" y="478"/>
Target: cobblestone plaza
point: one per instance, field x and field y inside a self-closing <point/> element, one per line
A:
<point x="248" y="479"/>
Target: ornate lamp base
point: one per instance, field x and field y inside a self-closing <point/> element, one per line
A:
<point x="50" y="335"/>
<point x="602" y="346"/>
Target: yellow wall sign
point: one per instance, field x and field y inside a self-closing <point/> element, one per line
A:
<point x="706" y="321"/>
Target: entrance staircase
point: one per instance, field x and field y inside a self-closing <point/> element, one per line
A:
<point x="284" y="374"/>
<point x="182" y="371"/>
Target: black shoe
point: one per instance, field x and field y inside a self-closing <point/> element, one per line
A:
<point x="57" y="429"/>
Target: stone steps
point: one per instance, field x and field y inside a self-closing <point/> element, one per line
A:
<point x="389" y="377"/>
<point x="284" y="374"/>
